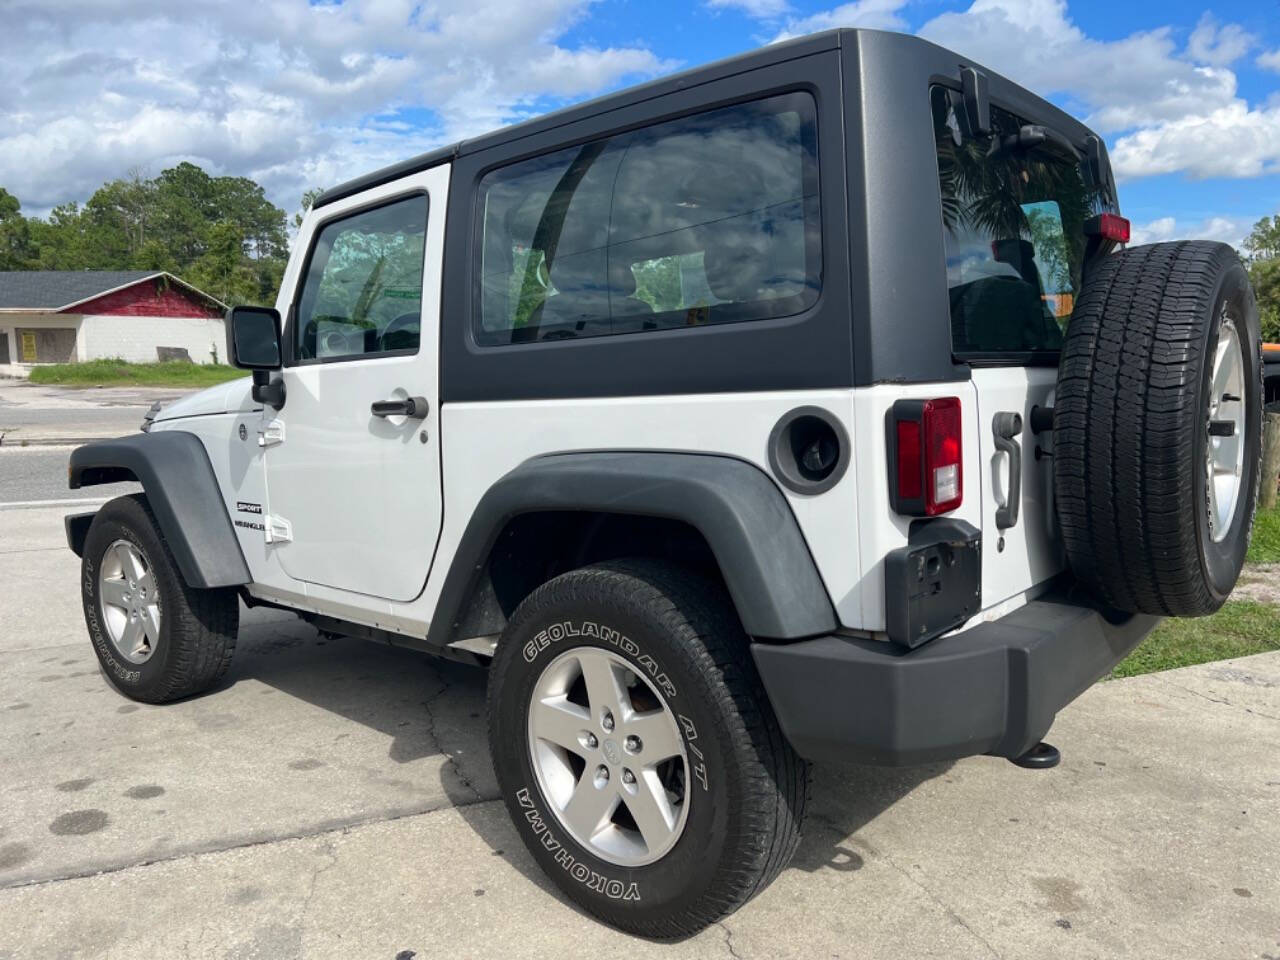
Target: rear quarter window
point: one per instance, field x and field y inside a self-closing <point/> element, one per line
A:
<point x="710" y="218"/>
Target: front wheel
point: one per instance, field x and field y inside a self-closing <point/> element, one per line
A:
<point x="156" y="638"/>
<point x="636" y="750"/>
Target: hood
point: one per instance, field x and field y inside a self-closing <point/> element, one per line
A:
<point x="224" y="398"/>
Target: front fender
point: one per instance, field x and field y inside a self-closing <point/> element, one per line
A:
<point x="177" y="477"/>
<point x="740" y="512"/>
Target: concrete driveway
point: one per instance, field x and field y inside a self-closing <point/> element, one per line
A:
<point x="335" y="799"/>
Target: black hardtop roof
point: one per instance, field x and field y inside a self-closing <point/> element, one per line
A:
<point x="771" y="54"/>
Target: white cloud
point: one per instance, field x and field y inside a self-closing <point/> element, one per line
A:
<point x="291" y="94"/>
<point x="760" y="9"/>
<point x="1168" y="111"/>
<point x="1230" y="230"/>
<point x="1231" y="141"/>
<point x="1167" y="108"/>
<point x="870" y="14"/>
<point x="1120" y="83"/>
<point x="1218" y="44"/>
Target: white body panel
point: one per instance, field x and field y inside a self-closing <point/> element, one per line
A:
<point x="1031" y="551"/>
<point x="883" y="530"/>
<point x="221" y="398"/>
<point x="361" y="493"/>
<point x="484" y="441"/>
<point x="849" y="529"/>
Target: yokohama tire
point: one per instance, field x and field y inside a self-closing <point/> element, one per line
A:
<point x="1141" y="517"/>
<point x="745" y="789"/>
<point x="197" y="628"/>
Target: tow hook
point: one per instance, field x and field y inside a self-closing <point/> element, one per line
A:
<point x="1043" y="756"/>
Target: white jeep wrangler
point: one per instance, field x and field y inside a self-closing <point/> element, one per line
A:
<point x="734" y="422"/>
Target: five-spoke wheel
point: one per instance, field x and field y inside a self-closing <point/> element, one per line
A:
<point x="156" y="637"/>
<point x="609" y="757"/>
<point x="1224" y="453"/>
<point x="130" y="601"/>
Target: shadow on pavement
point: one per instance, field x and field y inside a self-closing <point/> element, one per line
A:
<point x="428" y="706"/>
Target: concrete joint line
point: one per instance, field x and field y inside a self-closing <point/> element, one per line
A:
<point x="200" y="851"/>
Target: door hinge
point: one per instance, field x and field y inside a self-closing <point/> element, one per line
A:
<point x="278" y="529"/>
<point x="270" y="434"/>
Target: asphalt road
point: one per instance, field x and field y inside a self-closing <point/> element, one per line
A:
<point x="40" y="473"/>
<point x="52" y="420"/>
<point x="30" y="413"/>
<point x="334" y="798"/>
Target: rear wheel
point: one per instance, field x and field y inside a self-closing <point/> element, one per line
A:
<point x="636" y="749"/>
<point x="156" y="638"/>
<point x="1157" y="428"/>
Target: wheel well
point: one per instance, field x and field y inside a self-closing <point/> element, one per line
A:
<point x="535" y="547"/>
<point x="92" y="476"/>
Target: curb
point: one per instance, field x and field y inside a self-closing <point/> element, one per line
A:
<point x="8" y="442"/>
<point x="52" y="504"/>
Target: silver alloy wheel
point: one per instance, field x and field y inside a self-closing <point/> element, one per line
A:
<point x="608" y="756"/>
<point x="130" y="601"/>
<point x="1224" y="455"/>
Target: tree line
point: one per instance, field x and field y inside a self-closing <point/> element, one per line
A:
<point x="219" y="233"/>
<point x="224" y="236"/>
<point x="1263" y="247"/>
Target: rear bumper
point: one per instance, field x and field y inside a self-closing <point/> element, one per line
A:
<point x="993" y="689"/>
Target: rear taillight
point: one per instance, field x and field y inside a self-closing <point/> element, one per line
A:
<point x="926" y="456"/>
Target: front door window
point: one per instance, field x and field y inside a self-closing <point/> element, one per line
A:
<point x="362" y="295"/>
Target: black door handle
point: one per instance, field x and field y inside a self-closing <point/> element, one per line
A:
<point x="1007" y="427"/>
<point x="415" y="408"/>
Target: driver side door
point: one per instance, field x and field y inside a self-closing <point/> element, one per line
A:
<point x="353" y="482"/>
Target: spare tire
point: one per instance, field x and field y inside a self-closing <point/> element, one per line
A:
<point x="1155" y="504"/>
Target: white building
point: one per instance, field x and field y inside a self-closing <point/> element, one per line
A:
<point x="60" y="316"/>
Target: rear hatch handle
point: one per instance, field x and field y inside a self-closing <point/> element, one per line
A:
<point x="1007" y="427"/>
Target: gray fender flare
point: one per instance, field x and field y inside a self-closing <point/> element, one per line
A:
<point x="183" y="493"/>
<point x="741" y="513"/>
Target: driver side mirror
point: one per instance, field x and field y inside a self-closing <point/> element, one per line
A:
<point x="253" y="343"/>
<point x="253" y="338"/>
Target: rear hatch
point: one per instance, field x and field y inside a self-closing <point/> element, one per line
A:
<point x="1018" y="204"/>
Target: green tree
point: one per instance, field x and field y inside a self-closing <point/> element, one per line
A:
<point x="223" y="269"/>
<point x="1263" y="245"/>
<point x="1265" y="276"/>
<point x="220" y="233"/>
<point x="308" y="201"/>
<point x="16" y="249"/>
<point x="1263" y="242"/>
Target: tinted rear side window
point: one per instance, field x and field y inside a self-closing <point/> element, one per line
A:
<point x="711" y="218"/>
<point x="1014" y="228"/>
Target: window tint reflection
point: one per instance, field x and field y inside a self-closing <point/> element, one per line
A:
<point x="363" y="289"/>
<point x="706" y="219"/>
<point x="1013" y="222"/>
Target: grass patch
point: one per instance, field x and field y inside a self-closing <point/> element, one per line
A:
<point x="120" y="373"/>
<point x="1240" y="628"/>
<point x="1265" y="545"/>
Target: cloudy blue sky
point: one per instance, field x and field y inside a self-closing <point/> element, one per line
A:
<point x="297" y="94"/>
